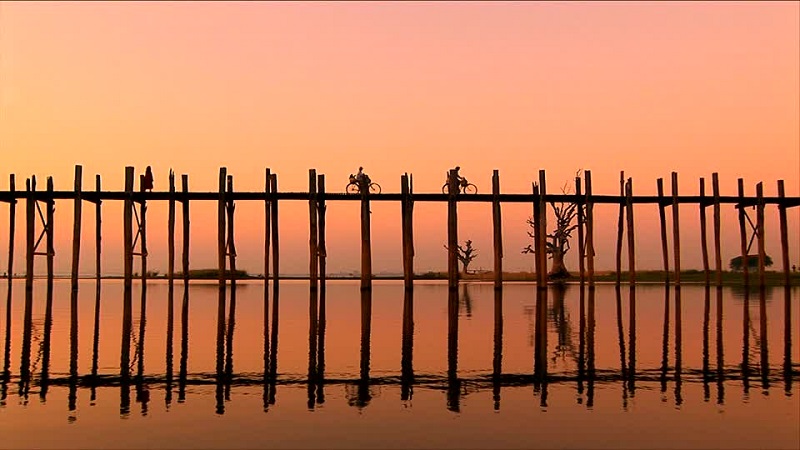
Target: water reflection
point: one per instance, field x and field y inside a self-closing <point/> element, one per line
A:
<point x="573" y="359"/>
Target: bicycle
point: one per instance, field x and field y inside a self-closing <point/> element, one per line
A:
<point x="463" y="187"/>
<point x="353" y="186"/>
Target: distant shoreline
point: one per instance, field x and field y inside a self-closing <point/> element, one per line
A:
<point x="772" y="278"/>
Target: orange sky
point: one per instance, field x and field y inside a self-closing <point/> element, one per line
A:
<point x="419" y="87"/>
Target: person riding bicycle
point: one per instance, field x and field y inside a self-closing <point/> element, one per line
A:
<point x="360" y="178"/>
<point x="462" y="182"/>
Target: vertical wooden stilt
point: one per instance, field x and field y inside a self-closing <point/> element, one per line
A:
<point x="127" y="308"/>
<point x="537" y="234"/>
<point x="267" y="239"/>
<point x="407" y="223"/>
<point x="543" y="227"/>
<point x="676" y="236"/>
<point x="185" y="234"/>
<point x="313" y="252"/>
<point x="143" y="302"/>
<point x="230" y="208"/>
<point x="275" y="240"/>
<point x="321" y="248"/>
<point x="760" y="234"/>
<point x="784" y="233"/>
<point x="30" y="225"/>
<point x="620" y="225"/>
<point x="631" y="241"/>
<point x="366" y="243"/>
<point x="497" y="230"/>
<point x="221" y="254"/>
<point x="12" y="219"/>
<point x="452" y="230"/>
<point x="662" y="216"/>
<point x="98" y="237"/>
<point x="581" y="237"/>
<point x="589" y="227"/>
<point x="76" y="251"/>
<point x="743" y="233"/>
<point x="48" y="314"/>
<point x="717" y="245"/>
<point x="703" y="238"/>
<point x="170" y="269"/>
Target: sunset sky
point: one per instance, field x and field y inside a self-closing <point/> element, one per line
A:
<point x="648" y="88"/>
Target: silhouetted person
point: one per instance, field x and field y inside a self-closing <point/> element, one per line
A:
<point x="794" y="268"/>
<point x="147" y="181"/>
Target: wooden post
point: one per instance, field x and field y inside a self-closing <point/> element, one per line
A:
<point x="620" y="225"/>
<point x="143" y="302"/>
<point x="267" y="239"/>
<point x="313" y="252"/>
<point x="760" y="234"/>
<point x="581" y="224"/>
<point x="170" y="267"/>
<point x="662" y="216"/>
<point x="407" y="224"/>
<point x="452" y="230"/>
<point x="366" y="243"/>
<point x="48" y="315"/>
<point x="230" y="208"/>
<point x="743" y="233"/>
<point x="703" y="239"/>
<point x="221" y="253"/>
<point x="537" y="234"/>
<point x="127" y="309"/>
<point x="543" y="226"/>
<point x="717" y="246"/>
<point x="631" y="253"/>
<point x="275" y="243"/>
<point x="498" y="230"/>
<point x="321" y="248"/>
<point x="784" y="233"/>
<point x="30" y="222"/>
<point x="185" y="269"/>
<point x="676" y="236"/>
<point x="76" y="250"/>
<point x="98" y="236"/>
<point x="589" y="227"/>
<point x="12" y="218"/>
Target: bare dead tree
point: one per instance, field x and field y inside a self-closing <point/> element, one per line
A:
<point x="558" y="241"/>
<point x="465" y="254"/>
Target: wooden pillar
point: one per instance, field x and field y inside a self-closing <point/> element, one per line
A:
<point x="703" y="238"/>
<point x="662" y="217"/>
<point x="50" y="253"/>
<point x="170" y="267"/>
<point x="631" y="252"/>
<point x="760" y="234"/>
<point x="12" y="218"/>
<point x="267" y="239"/>
<point x="407" y="224"/>
<point x="230" y="208"/>
<point x="143" y="302"/>
<point x="366" y="243"/>
<point x="589" y="227"/>
<point x="581" y="224"/>
<point x="717" y="246"/>
<point x="452" y="230"/>
<point x="313" y="251"/>
<point x="676" y="236"/>
<point x="497" y="228"/>
<point x="127" y="308"/>
<point x="784" y="233"/>
<point x="185" y="234"/>
<point x="542" y="253"/>
<point x="76" y="251"/>
<point x="30" y="224"/>
<point x="98" y="237"/>
<point x="275" y="240"/>
<point x="537" y="234"/>
<point x="321" y="248"/>
<point x="221" y="253"/>
<point x="620" y="225"/>
<point x="743" y="232"/>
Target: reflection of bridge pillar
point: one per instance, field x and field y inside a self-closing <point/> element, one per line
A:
<point x="453" y="383"/>
<point x="407" y="359"/>
<point x="497" y="360"/>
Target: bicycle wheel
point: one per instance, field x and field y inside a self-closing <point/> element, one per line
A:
<point x="352" y="188"/>
<point x="445" y="188"/>
<point x="374" y="188"/>
<point x="470" y="189"/>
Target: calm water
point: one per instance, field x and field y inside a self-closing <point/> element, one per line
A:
<point x="696" y="368"/>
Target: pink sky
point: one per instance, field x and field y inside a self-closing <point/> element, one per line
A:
<point x="648" y="88"/>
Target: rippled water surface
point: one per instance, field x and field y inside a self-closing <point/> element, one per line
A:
<point x="652" y="367"/>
